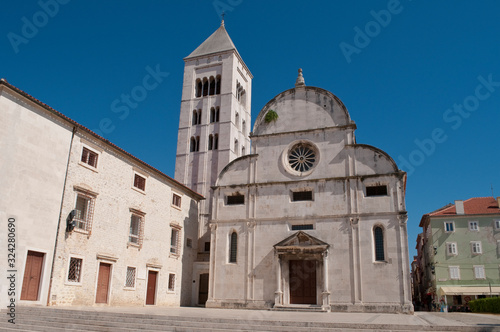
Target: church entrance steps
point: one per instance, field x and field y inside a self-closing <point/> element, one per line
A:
<point x="299" y="308"/>
<point x="127" y="319"/>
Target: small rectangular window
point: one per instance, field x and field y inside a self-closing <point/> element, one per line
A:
<point x="207" y="246"/>
<point x="135" y="229"/>
<point x="376" y="191"/>
<point x="84" y="210"/>
<point x="189" y="243"/>
<point x="139" y="182"/>
<point x="89" y="157"/>
<point x="473" y="226"/>
<point x="302" y="227"/>
<point x="130" y="279"/>
<point x="497" y="224"/>
<point x="75" y="269"/>
<point x="449" y="226"/>
<point x="176" y="200"/>
<point x="451" y="249"/>
<point x="476" y="247"/>
<point x="235" y="200"/>
<point x="171" y="282"/>
<point x="174" y="241"/>
<point x="454" y="272"/>
<point x="302" y="196"/>
<point x="479" y="272"/>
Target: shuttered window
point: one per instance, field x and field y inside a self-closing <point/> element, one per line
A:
<point x="233" y="248"/>
<point x="139" y="182"/>
<point x="89" y="157"/>
<point x="379" y="244"/>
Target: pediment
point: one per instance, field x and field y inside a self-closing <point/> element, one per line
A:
<point x="301" y="241"/>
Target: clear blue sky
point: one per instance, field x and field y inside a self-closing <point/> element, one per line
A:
<point x="418" y="73"/>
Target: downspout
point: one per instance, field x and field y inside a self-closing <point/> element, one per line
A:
<point x="60" y="214"/>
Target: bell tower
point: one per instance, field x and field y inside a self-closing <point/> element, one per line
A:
<point x="215" y="118"/>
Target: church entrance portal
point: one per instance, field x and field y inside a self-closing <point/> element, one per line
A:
<point x="302" y="282"/>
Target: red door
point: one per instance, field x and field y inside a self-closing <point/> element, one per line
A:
<point x="32" y="276"/>
<point x="303" y="282"/>
<point x="103" y="283"/>
<point x="151" y="292"/>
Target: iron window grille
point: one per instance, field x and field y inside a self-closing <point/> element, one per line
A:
<point x="130" y="279"/>
<point x="84" y="211"/>
<point x="75" y="269"/>
<point x="174" y="241"/>
<point x="171" y="282"/>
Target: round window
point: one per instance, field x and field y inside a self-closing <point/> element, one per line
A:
<point x="301" y="158"/>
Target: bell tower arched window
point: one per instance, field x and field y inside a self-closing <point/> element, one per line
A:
<point x="205" y="86"/>
<point x="211" y="91"/>
<point x="210" y="142"/>
<point x="378" y="235"/>
<point x="195" y="117"/>
<point x="192" y="146"/>
<point x="217" y="85"/>
<point x="216" y="141"/>
<point x="199" y="87"/>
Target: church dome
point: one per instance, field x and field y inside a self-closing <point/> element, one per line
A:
<point x="301" y="108"/>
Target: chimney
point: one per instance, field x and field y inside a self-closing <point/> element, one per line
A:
<point x="459" y="206"/>
<point x="498" y="201"/>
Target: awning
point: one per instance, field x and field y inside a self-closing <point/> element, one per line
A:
<point x="469" y="290"/>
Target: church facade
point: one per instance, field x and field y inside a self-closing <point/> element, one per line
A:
<point x="309" y="218"/>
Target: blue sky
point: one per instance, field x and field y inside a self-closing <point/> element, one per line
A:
<point x="421" y="79"/>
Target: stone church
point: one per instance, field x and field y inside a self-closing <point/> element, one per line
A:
<point x="297" y="214"/>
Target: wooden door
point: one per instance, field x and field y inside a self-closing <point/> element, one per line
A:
<point x="32" y="276"/>
<point x="203" y="291"/>
<point x="103" y="283"/>
<point x="303" y="282"/>
<point x="151" y="292"/>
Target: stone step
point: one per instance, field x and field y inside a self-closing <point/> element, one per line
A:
<point x="59" y="319"/>
<point x="299" y="309"/>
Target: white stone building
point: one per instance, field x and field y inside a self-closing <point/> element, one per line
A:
<point x="34" y="148"/>
<point x="133" y="230"/>
<point x="310" y="218"/>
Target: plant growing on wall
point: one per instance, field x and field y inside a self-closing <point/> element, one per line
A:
<point x="271" y="116"/>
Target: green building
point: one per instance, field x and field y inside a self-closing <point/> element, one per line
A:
<point x="459" y="254"/>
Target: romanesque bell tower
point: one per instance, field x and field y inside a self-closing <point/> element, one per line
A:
<point x="215" y="118"/>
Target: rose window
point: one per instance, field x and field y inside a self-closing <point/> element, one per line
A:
<point x="302" y="158"/>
